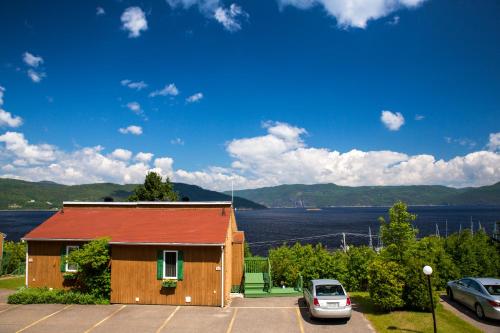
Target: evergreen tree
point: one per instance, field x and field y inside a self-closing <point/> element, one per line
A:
<point x="154" y="189"/>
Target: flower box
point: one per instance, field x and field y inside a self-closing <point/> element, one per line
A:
<point x="169" y="283"/>
<point x="69" y="276"/>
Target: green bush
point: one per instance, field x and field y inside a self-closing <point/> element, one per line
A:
<point x="47" y="296"/>
<point x="94" y="274"/>
<point x="415" y="291"/>
<point x="358" y="259"/>
<point x="385" y="284"/>
<point x="14" y="258"/>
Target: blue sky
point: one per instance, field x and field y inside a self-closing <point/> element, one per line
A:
<point x="261" y="92"/>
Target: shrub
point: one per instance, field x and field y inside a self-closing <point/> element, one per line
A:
<point x="416" y="292"/>
<point x="14" y="258"/>
<point x="385" y="284"/>
<point x="94" y="275"/>
<point x="358" y="259"/>
<point x="46" y="296"/>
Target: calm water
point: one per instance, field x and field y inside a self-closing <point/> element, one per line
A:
<point x="285" y="224"/>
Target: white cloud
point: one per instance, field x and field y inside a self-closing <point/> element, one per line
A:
<point x="134" y="20"/>
<point x="35" y="76"/>
<point x="143" y="157"/>
<point x="394" y="21"/>
<point x="194" y="98"/>
<point x="393" y="121"/>
<point x="100" y="11"/>
<point x="132" y="129"/>
<point x="6" y="119"/>
<point x="32" y="60"/>
<point x="354" y="13"/>
<point x="177" y="141"/>
<point x="121" y="154"/>
<point x="419" y="117"/>
<point x="168" y="90"/>
<point x="228" y="17"/>
<point x="494" y="142"/>
<point x="134" y="85"/>
<point x="134" y="107"/>
<point x="280" y="156"/>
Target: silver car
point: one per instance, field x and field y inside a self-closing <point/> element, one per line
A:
<point x="479" y="294"/>
<point x="327" y="299"/>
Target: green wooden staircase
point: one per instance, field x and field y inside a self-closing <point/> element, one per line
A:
<point x="258" y="280"/>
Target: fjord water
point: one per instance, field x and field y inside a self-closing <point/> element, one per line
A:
<point x="280" y="224"/>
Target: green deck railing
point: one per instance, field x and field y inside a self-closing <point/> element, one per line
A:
<point x="257" y="265"/>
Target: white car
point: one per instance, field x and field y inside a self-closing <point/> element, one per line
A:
<point x="327" y="299"/>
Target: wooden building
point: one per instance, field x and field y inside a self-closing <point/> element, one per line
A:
<point x="196" y="245"/>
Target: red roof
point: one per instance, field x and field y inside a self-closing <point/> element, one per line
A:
<point x="164" y="225"/>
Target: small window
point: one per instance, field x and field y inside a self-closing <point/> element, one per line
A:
<point x="71" y="267"/>
<point x="474" y="285"/>
<point x="170" y="264"/>
<point x="493" y="289"/>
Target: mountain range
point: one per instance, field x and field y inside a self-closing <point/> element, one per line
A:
<point x="20" y="194"/>
<point x="326" y="195"/>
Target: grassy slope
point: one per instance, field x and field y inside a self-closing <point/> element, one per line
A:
<point x="321" y="195"/>
<point x="410" y="321"/>
<point x="21" y="192"/>
<point x="12" y="283"/>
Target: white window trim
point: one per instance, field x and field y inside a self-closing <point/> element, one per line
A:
<point x="66" y="269"/>
<point x="176" y="264"/>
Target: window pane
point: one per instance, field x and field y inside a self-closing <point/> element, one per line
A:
<point x="72" y="266"/>
<point x="170" y="265"/>
<point x="329" y="290"/>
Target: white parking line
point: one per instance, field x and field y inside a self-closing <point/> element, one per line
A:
<point x="299" y="320"/>
<point x="42" y="319"/>
<point x="102" y="321"/>
<point x="231" y="323"/>
<point x="168" y="319"/>
<point x="269" y="307"/>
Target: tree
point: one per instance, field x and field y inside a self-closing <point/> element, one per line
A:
<point x="94" y="274"/>
<point x="14" y="258"/>
<point x="399" y="233"/>
<point x="385" y="284"/>
<point x="359" y="257"/>
<point x="154" y="189"/>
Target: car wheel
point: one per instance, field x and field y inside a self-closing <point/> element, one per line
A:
<point x="449" y="292"/>
<point x="479" y="311"/>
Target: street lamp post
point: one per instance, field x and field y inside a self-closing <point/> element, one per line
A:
<point x="428" y="271"/>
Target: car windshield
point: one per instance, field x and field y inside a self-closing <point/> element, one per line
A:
<point x="493" y="289"/>
<point x="329" y="290"/>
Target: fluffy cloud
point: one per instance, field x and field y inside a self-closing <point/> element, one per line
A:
<point x="121" y="154"/>
<point x="6" y="118"/>
<point x="134" y="85"/>
<point x="134" y="107"/>
<point x="35" y="76"/>
<point x="354" y="13"/>
<point x="168" y="90"/>
<point x="494" y="142"/>
<point x="229" y="17"/>
<point x="132" y="129"/>
<point x="177" y="141"/>
<point x="194" y="98"/>
<point x="393" y="121"/>
<point x="279" y="156"/>
<point x="32" y="60"/>
<point x="143" y="157"/>
<point x="134" y="21"/>
<point x="100" y="11"/>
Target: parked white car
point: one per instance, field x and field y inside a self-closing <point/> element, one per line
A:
<point x="327" y="299"/>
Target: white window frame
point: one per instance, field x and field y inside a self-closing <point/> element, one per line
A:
<point x="176" y="264"/>
<point x="66" y="268"/>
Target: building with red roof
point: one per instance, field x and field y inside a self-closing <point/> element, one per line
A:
<point x="195" y="244"/>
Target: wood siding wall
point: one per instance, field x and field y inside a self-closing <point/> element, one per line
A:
<point x="44" y="260"/>
<point x="228" y="264"/>
<point x="133" y="274"/>
<point x="238" y="257"/>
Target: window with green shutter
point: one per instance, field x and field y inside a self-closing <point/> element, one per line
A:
<point x="180" y="265"/>
<point x="170" y="265"/>
<point x="159" y="265"/>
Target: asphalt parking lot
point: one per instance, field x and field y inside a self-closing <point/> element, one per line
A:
<point x="284" y="314"/>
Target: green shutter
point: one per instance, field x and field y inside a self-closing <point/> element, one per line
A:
<point x="159" y="265"/>
<point x="180" y="265"/>
<point x="62" y="265"/>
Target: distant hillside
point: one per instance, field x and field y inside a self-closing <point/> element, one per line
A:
<point x="324" y="195"/>
<point x="19" y="194"/>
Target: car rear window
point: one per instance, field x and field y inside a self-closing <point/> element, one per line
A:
<point x="493" y="289"/>
<point x="329" y="290"/>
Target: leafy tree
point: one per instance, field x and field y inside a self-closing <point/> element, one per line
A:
<point x="398" y="234"/>
<point x="94" y="274"/>
<point x="154" y="189"/>
<point x="14" y="257"/>
<point x="359" y="257"/>
<point x="246" y="250"/>
<point x="385" y="284"/>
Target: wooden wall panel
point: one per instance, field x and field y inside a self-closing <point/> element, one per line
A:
<point x="44" y="259"/>
<point x="238" y="257"/>
<point x="133" y="274"/>
<point x="228" y="264"/>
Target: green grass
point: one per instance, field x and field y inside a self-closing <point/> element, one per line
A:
<point x="410" y="321"/>
<point x="12" y="283"/>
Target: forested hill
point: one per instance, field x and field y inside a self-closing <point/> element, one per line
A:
<point x="324" y="195"/>
<point x="19" y="194"/>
